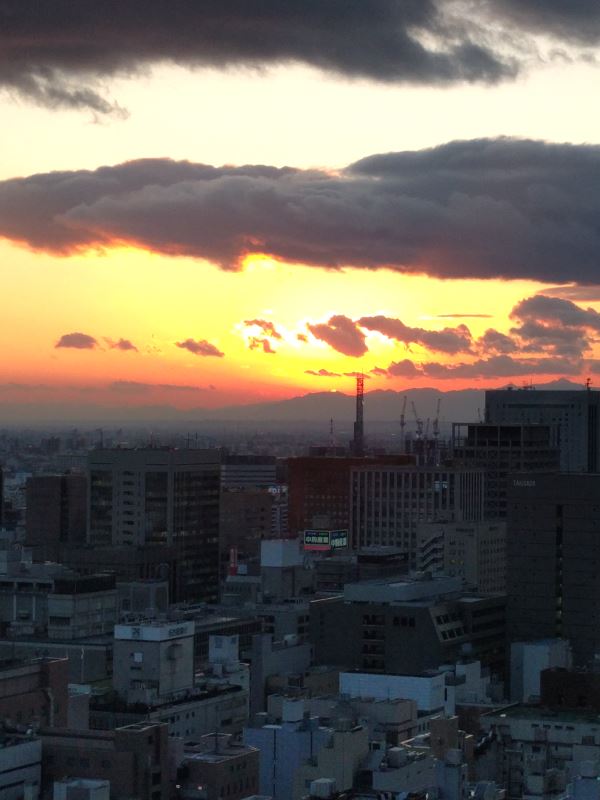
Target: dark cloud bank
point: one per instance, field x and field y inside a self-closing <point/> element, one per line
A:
<point x="499" y="208"/>
<point x="58" y="53"/>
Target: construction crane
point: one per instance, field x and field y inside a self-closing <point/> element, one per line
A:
<point x="427" y="423"/>
<point x="418" y="420"/>
<point x="403" y="422"/>
<point x="436" y="421"/>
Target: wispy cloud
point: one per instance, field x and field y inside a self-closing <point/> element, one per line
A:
<point x="122" y="344"/>
<point x="200" y="347"/>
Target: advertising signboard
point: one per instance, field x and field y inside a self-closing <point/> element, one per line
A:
<point x="325" y="540"/>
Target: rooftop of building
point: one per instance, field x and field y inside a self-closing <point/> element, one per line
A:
<point x="216" y="748"/>
<point x="549" y="715"/>
<point x="15" y="739"/>
<point x="97" y="735"/>
<point x="116" y="704"/>
<point x="418" y="587"/>
<point x="83" y="783"/>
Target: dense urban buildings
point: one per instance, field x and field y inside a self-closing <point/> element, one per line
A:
<point x="367" y="650"/>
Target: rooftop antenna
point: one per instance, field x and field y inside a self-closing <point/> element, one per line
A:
<point x="331" y="434"/>
<point x="588" y="384"/>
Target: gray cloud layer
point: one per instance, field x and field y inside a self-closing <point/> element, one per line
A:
<point x="59" y="53"/>
<point x="566" y="20"/>
<point x="56" y="51"/>
<point x="472" y="209"/>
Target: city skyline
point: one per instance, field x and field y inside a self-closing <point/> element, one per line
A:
<point x="141" y="271"/>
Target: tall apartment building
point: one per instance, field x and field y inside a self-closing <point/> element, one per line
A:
<point x="499" y="450"/>
<point x="388" y="502"/>
<point x="55" y="514"/>
<point x="553" y="561"/>
<point x="573" y="416"/>
<point x="160" y="496"/>
<point x="472" y="551"/>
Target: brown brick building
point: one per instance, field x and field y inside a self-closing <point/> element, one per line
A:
<point x="35" y="692"/>
<point x="134" y="758"/>
<point x="319" y="486"/>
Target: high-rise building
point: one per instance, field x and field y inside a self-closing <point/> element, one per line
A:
<point x="389" y="501"/>
<point x="499" y="450"/>
<point x="319" y="488"/>
<point x="55" y="514"/>
<point x="553" y="561"/>
<point x="160" y="496"/>
<point x="573" y="416"/>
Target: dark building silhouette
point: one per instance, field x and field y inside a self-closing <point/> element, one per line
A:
<point x="160" y="496"/>
<point x="570" y="689"/>
<point x="573" y="416"/>
<point x="55" y="514"/>
<point x="499" y="450"/>
<point x="553" y="561"/>
<point x="406" y="626"/>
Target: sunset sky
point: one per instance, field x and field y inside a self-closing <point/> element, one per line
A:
<point x="204" y="204"/>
